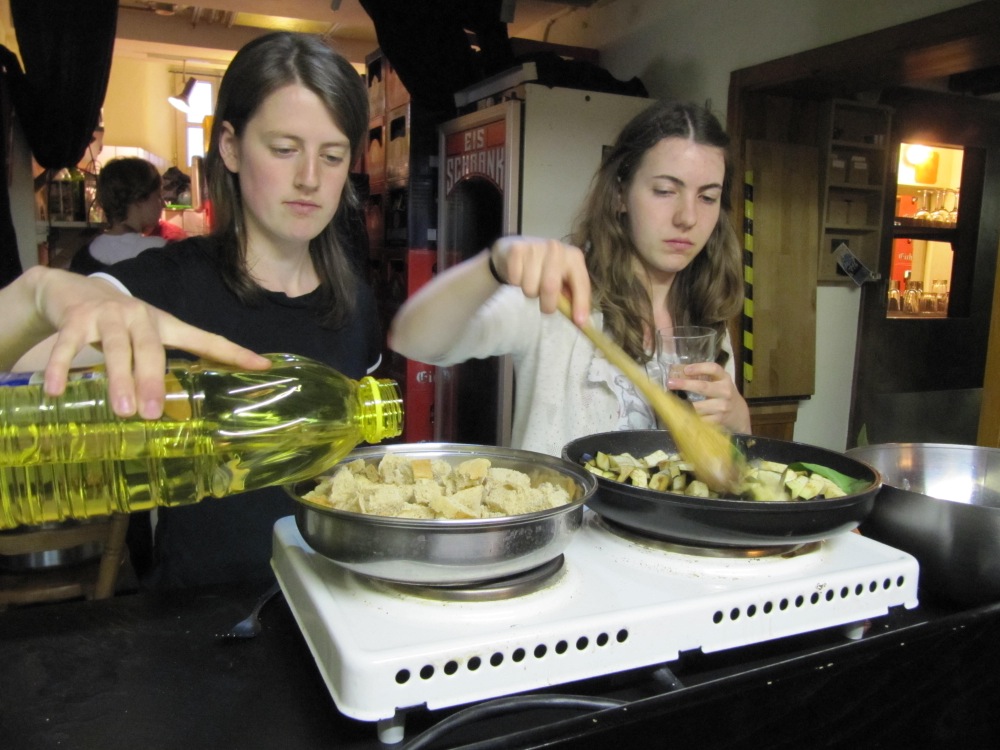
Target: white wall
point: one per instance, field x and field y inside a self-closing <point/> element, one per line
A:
<point x="686" y="49"/>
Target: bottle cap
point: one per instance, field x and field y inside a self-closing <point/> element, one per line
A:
<point x="382" y="409"/>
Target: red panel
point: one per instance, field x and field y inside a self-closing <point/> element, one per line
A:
<point x="403" y="274"/>
<point x="419" y="424"/>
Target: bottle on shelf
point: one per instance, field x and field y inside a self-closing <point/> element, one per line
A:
<point x="223" y="431"/>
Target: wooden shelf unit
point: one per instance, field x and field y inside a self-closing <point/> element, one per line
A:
<point x="855" y="156"/>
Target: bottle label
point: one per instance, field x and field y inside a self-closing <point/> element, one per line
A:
<point x="20" y="378"/>
<point x="37" y="378"/>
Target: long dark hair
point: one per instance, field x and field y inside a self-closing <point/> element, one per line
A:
<point x="710" y="290"/>
<point x="258" y="69"/>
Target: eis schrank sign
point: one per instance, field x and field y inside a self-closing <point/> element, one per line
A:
<point x="475" y="153"/>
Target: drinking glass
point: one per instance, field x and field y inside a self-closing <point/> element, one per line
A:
<point x="895" y="297"/>
<point x="680" y="346"/>
<point x="923" y="213"/>
<point x="940" y="213"/>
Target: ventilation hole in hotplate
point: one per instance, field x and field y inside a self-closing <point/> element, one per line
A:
<point x="768" y="608"/>
<point x="497" y="659"/>
<point x="859" y="589"/>
<point x="900" y="581"/>
<point x="582" y="642"/>
<point x="830" y="595"/>
<point x="475" y="663"/>
<point x="799" y="601"/>
<point x="426" y="672"/>
<point x="751" y="610"/>
<point x="813" y="598"/>
<point x="717" y="617"/>
<point x="403" y="676"/>
<point x="783" y="605"/>
<point x="734" y="614"/>
<point x="844" y="592"/>
<point x="540" y="650"/>
<point x="886" y="583"/>
<point x="602" y="639"/>
<point x="451" y="667"/>
<point x="518" y="655"/>
<point x="622" y="635"/>
<point x="873" y="587"/>
<point x="561" y="647"/>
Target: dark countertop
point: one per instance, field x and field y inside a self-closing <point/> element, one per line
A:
<point x="144" y="671"/>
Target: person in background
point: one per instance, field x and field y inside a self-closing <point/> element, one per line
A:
<point x="128" y="191"/>
<point x="658" y="251"/>
<point x="274" y="275"/>
<point x="131" y="334"/>
<point x="177" y="192"/>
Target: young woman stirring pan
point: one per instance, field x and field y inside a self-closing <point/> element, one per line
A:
<point x="658" y="251"/>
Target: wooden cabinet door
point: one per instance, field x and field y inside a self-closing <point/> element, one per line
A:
<point x="779" y="355"/>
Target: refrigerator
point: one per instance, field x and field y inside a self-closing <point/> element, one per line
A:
<point x="519" y="164"/>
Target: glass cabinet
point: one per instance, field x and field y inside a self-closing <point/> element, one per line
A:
<point x="924" y="228"/>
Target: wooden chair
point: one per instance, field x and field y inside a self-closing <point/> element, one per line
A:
<point x="95" y="579"/>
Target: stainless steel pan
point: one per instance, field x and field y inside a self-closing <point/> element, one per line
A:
<point x="726" y="522"/>
<point x="940" y="503"/>
<point x="448" y="552"/>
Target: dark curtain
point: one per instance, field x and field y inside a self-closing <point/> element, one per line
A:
<point x="66" y="50"/>
<point x="428" y="44"/>
<point x="10" y="262"/>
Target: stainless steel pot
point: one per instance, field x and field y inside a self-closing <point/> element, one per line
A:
<point x="50" y="558"/>
<point x="722" y="522"/>
<point x="448" y="552"/>
<point x="940" y="503"/>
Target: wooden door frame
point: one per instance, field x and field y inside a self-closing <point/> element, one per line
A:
<point x="909" y="54"/>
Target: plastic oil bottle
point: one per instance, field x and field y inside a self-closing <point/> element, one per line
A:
<point x="223" y="431"/>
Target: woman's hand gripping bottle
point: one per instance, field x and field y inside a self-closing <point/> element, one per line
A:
<point x="223" y="431"/>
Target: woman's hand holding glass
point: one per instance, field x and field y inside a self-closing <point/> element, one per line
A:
<point x="685" y="363"/>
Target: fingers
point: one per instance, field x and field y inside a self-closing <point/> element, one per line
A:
<point x="721" y="402"/>
<point x="152" y="331"/>
<point x="708" y="383"/>
<point x="143" y="376"/>
<point x="544" y="269"/>
<point x="212" y="346"/>
<point x="133" y="337"/>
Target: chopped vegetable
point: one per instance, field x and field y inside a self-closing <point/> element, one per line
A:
<point x="765" y="481"/>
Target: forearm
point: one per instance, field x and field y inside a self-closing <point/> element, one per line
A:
<point x="430" y="322"/>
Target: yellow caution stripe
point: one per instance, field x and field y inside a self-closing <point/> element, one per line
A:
<point x="748" y="276"/>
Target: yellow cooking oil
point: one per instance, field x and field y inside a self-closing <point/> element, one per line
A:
<point x="223" y="431"/>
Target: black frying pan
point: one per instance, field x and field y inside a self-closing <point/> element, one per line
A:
<point x="721" y="522"/>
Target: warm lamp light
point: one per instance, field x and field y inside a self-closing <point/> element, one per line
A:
<point x="181" y="101"/>
<point x="924" y="161"/>
<point x="916" y="154"/>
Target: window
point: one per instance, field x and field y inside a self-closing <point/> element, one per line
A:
<point x="200" y="108"/>
<point x="194" y="126"/>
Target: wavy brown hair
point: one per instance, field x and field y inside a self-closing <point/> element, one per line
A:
<point x="710" y="290"/>
<point x="260" y="68"/>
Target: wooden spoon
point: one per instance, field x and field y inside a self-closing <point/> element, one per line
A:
<point x="709" y="449"/>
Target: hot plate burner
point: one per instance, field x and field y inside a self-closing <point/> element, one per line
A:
<point x="519" y="584"/>
<point x="611" y="607"/>
<point x="664" y="544"/>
